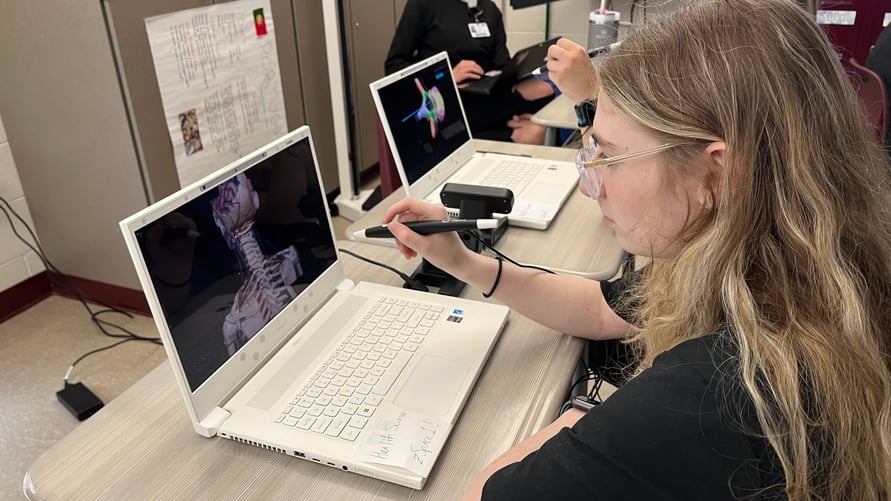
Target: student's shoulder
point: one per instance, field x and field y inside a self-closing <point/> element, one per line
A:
<point x="699" y="376"/>
<point x="703" y="355"/>
<point x="489" y="8"/>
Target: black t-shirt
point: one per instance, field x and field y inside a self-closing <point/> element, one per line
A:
<point x="683" y="429"/>
<point x="428" y="27"/>
<point x="612" y="359"/>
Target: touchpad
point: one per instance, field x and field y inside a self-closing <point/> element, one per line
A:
<point x="432" y="387"/>
<point x="544" y="192"/>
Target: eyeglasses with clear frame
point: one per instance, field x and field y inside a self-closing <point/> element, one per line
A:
<point x="591" y="168"/>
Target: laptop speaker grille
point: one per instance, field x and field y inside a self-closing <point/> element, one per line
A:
<point x="256" y="444"/>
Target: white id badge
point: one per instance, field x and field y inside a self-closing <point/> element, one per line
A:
<point x="479" y="30"/>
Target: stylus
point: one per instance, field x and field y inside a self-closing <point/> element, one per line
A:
<point x="430" y="227"/>
<point x="591" y="53"/>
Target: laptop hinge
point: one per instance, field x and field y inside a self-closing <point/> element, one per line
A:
<point x="212" y="423"/>
<point x="346" y="285"/>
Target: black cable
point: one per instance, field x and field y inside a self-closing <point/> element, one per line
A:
<point x="418" y="285"/>
<point x="85" y="355"/>
<point x="411" y="282"/>
<point x="97" y="350"/>
<point x="38" y="250"/>
<point x="59" y="279"/>
<point x="590" y="374"/>
<point x="581" y="379"/>
<point x="475" y="234"/>
<point x="593" y="395"/>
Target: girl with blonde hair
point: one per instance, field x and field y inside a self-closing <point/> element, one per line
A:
<point x="728" y="146"/>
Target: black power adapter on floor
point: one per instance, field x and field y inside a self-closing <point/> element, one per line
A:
<point x="78" y="399"/>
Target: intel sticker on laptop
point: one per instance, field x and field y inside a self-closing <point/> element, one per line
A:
<point x="454" y="317"/>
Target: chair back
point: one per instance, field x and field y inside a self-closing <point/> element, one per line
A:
<point x="390" y="181"/>
<point x="873" y="96"/>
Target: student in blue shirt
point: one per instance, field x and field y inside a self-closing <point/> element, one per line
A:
<point x="729" y="148"/>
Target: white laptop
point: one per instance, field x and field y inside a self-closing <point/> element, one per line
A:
<point x="273" y="346"/>
<point x="422" y="115"/>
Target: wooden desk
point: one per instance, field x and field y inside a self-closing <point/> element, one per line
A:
<point x="584" y="245"/>
<point x="558" y="114"/>
<point x="142" y="446"/>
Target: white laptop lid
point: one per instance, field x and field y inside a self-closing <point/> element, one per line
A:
<point x="200" y="263"/>
<point x="422" y="115"/>
<point x="423" y="118"/>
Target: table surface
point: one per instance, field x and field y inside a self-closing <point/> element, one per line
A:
<point x="587" y="247"/>
<point x="558" y="113"/>
<point x="142" y="445"/>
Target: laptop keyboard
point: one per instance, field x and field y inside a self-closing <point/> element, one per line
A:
<point x="512" y="174"/>
<point x="344" y="393"/>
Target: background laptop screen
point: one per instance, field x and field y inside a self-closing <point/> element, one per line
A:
<point x="424" y="116"/>
<point x="225" y="263"/>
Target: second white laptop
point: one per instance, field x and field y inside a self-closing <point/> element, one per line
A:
<point x="270" y="343"/>
<point x="422" y="115"/>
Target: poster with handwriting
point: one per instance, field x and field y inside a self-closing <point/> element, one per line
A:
<point x="218" y="73"/>
<point x="404" y="439"/>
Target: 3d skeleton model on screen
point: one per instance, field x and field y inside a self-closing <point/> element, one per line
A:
<point x="265" y="290"/>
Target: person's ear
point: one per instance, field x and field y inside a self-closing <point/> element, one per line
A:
<point x="715" y="154"/>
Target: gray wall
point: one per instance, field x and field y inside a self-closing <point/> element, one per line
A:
<point x="68" y="132"/>
<point x="68" y="129"/>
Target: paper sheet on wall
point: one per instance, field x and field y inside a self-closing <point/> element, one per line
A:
<point x="218" y="73"/>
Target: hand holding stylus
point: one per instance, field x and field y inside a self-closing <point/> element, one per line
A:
<point x="429" y="227"/>
<point x="569" y="67"/>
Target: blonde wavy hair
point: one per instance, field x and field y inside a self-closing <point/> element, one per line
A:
<point x="792" y="252"/>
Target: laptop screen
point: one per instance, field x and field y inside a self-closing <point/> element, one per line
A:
<point x="226" y="262"/>
<point x="424" y="115"/>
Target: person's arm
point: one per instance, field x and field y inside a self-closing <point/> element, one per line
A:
<point x="408" y="37"/>
<point x="525" y="131"/>
<point x="533" y="89"/>
<point x="520" y="451"/>
<point x="571" y="305"/>
<point x="677" y="430"/>
<point x="570" y="68"/>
